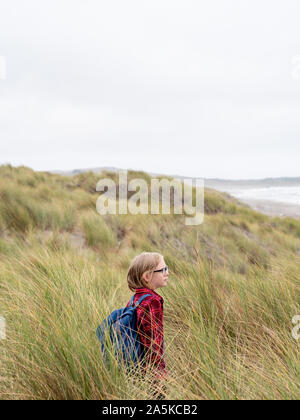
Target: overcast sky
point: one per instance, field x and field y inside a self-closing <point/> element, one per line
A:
<point x="199" y="88"/>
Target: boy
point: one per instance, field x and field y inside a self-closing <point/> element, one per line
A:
<point x="147" y="273"/>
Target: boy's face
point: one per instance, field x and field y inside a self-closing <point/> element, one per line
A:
<point x="159" y="279"/>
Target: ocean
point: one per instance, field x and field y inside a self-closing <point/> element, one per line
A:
<point x="289" y="195"/>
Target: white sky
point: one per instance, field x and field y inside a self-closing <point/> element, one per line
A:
<point x="198" y="88"/>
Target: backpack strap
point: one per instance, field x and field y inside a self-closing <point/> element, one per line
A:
<point x="139" y="301"/>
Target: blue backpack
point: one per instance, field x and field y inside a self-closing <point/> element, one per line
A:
<point x="119" y="331"/>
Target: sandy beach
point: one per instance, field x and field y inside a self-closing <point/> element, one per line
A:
<point x="273" y="208"/>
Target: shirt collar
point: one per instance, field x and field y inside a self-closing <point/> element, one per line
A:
<point x="144" y="290"/>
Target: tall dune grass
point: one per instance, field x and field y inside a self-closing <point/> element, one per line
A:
<point x="233" y="290"/>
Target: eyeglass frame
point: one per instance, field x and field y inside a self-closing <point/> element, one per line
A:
<point x="162" y="270"/>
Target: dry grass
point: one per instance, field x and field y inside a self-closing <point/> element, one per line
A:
<point x="233" y="290"/>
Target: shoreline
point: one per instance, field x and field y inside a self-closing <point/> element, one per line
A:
<point x="273" y="208"/>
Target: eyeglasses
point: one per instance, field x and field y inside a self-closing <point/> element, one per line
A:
<point x="162" y="270"/>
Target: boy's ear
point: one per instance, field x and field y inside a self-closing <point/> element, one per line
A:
<point x="147" y="276"/>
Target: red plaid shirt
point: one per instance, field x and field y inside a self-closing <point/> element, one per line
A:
<point x="150" y="327"/>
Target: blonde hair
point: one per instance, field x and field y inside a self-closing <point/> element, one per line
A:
<point x="147" y="261"/>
